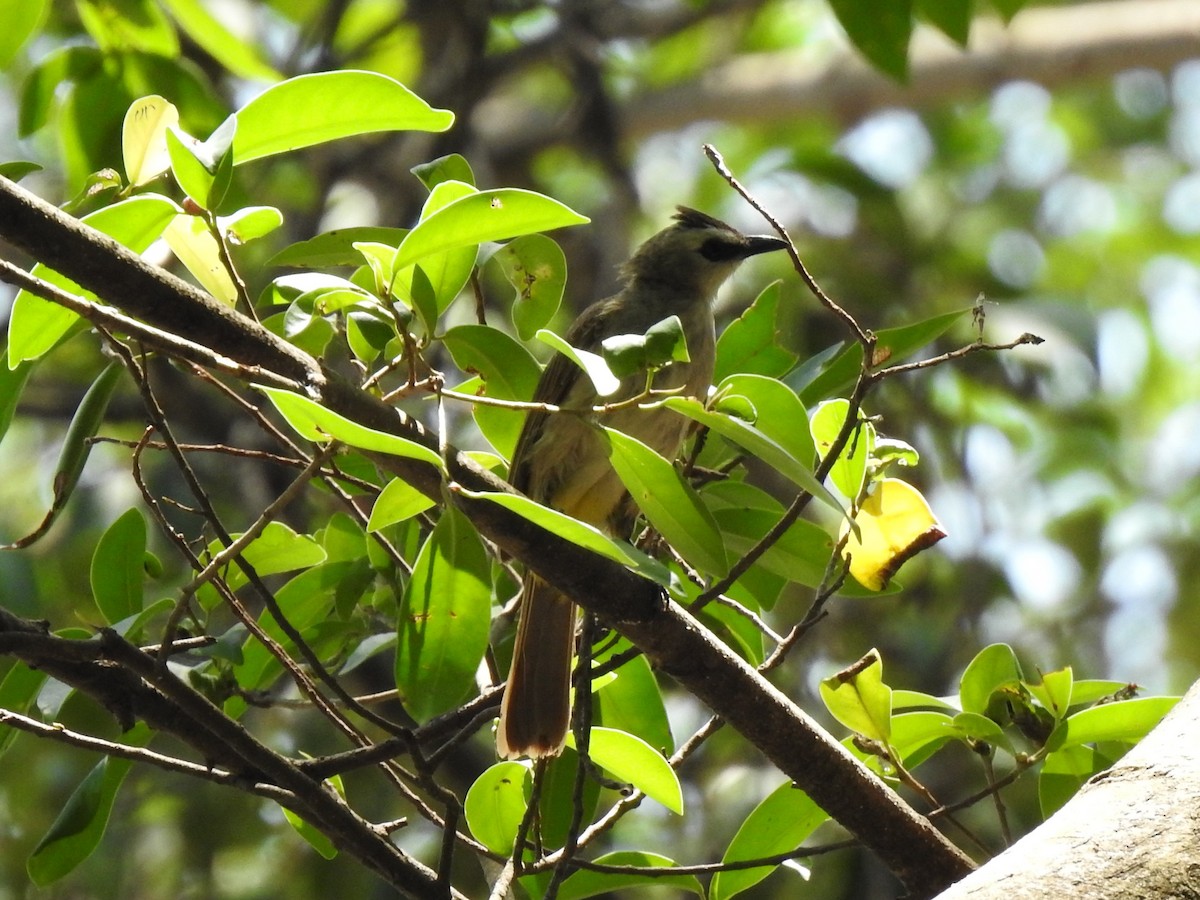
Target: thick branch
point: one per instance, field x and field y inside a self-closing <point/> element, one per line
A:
<point x="1133" y="831"/>
<point x="919" y="855"/>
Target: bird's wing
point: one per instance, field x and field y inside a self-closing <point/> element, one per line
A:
<point x="554" y="387"/>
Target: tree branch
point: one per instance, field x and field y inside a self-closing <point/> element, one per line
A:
<point x="678" y="644"/>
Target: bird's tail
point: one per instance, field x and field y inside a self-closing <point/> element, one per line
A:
<point x="536" y="710"/>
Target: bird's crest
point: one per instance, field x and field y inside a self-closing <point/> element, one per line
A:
<point x="693" y="218"/>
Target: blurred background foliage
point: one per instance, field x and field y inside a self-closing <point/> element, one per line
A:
<point x="1064" y="197"/>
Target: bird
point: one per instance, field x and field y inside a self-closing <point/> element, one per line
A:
<point x="561" y="459"/>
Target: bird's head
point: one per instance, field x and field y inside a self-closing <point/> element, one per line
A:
<point x="695" y="254"/>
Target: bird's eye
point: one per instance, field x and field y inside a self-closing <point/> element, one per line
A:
<point x="719" y="249"/>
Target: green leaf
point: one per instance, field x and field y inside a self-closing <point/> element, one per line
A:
<point x="745" y="514"/>
<point x="779" y="824"/>
<point x="334" y="105"/>
<point x="632" y="701"/>
<point x="951" y="17"/>
<point x="117" y="567"/>
<point x="336" y="248"/>
<point x="509" y="372"/>
<point x="239" y="57"/>
<point x="314" y="836"/>
<point x="12" y="383"/>
<point x="860" y="700"/>
<point x="144" y="137"/>
<point x="278" y="548"/>
<point x="994" y="667"/>
<point x="37" y="325"/>
<point x="761" y="443"/>
<point x="630" y="759"/>
<point x="916" y="735"/>
<point x="1054" y="693"/>
<point x="892" y="346"/>
<point x="123" y="25"/>
<point x="444" y="618"/>
<point x="537" y="269"/>
<point x="1064" y="772"/>
<point x="398" y="501"/>
<point x="496" y="803"/>
<point x="1009" y="8"/>
<point x="18" y="693"/>
<point x="586" y="883"/>
<point x="902" y="699"/>
<point x="1089" y="690"/>
<point x="593" y="365"/>
<point x="850" y="471"/>
<point x="1124" y="720"/>
<point x="750" y="343"/>
<point x="80" y="825"/>
<point x="41" y="84"/>
<point x="18" y="168"/>
<point x="316" y="423"/>
<point x="587" y="536"/>
<point x="22" y="19"/>
<point x="880" y="29"/>
<point x="494" y="215"/>
<point x="628" y="354"/>
<point x="190" y="173"/>
<point x="306" y="601"/>
<point x="249" y="223"/>
<point x="668" y="502"/>
<point x="452" y="167"/>
<point x="980" y="728"/>
<point x="77" y="444"/>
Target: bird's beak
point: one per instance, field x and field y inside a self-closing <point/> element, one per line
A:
<point x="762" y="243"/>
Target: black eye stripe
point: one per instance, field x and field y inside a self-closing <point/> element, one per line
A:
<point x="719" y="249"/>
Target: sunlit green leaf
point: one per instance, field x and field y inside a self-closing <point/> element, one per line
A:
<point x="316" y="423"/>
<point x="993" y="668"/>
<point x="1124" y="720"/>
<point x="336" y="248"/>
<point x="495" y="805"/>
<point x="452" y="167"/>
<point x="22" y="19"/>
<point x="860" y="700"/>
<point x="509" y="372"/>
<point x="335" y="105"/>
<point x="239" y="57"/>
<point x="779" y="824"/>
<point x="630" y="759"/>
<point x="850" y="470"/>
<point x="593" y="365"/>
<point x="495" y="215"/>
<point x="398" y="501"/>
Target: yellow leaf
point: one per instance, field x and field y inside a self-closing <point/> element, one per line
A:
<point x="144" y="138"/>
<point x="895" y="523"/>
<point x="193" y="244"/>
